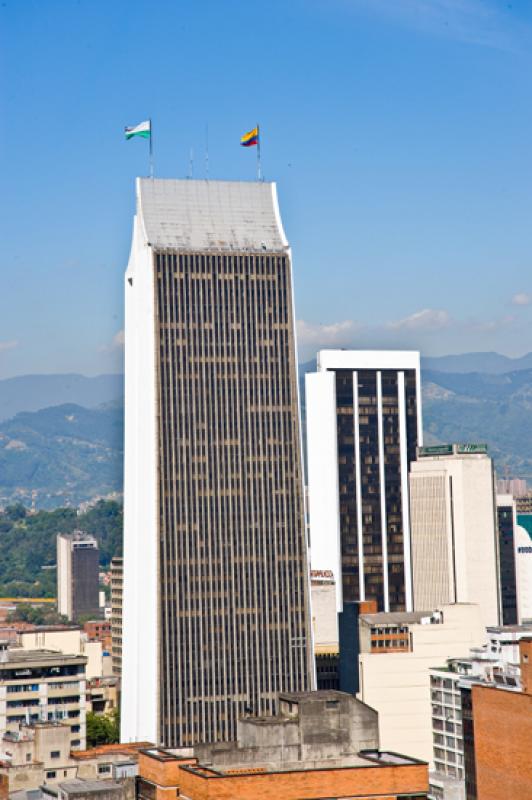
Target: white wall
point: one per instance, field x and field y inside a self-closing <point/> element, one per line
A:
<point x="64" y="577"/>
<point x="139" y="706"/>
<point x="324" y="615"/>
<point x="523" y="565"/>
<point x="469" y="517"/>
<point x="322" y="461"/>
<point x="397" y="685"/>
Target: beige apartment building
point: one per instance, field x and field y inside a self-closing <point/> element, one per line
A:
<point x="397" y="651"/>
<point x="67" y="640"/>
<point x="43" y="685"/>
<point x="454" y="529"/>
<point x="117" y="580"/>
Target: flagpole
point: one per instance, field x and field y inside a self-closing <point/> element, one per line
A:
<point x="259" y="172"/>
<point x="151" y="151"/>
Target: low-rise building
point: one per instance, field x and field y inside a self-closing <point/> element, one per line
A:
<point x="40" y="754"/>
<point x="89" y="790"/>
<point x="397" y="651"/>
<point x="103" y="694"/>
<point x="320" y="744"/>
<point x="498" y="736"/>
<point x="99" y="630"/>
<point x="497" y="663"/>
<point x="36" y="754"/>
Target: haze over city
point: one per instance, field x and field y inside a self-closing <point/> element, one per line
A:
<point x="399" y="134"/>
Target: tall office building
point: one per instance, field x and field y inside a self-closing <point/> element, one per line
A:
<point x="215" y="614"/>
<point x="78" y="561"/>
<point x="363" y="428"/>
<point x="454" y="529"/>
<point x="507" y="558"/>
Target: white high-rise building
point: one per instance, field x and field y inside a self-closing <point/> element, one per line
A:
<point x="454" y="529"/>
<point x="215" y="617"/>
<point x="363" y="427"/>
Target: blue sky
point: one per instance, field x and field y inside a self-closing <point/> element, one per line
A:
<point x="399" y="131"/>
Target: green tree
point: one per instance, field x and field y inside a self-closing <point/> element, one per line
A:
<point x="103" y="728"/>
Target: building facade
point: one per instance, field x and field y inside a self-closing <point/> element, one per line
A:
<point x="117" y="581"/>
<point x="497" y="663"/>
<point x="397" y="651"/>
<point x="506" y="523"/>
<point x="77" y="575"/>
<point x="42" y="685"/>
<point x="323" y="744"/>
<point x="454" y="529"/>
<point x="523" y="556"/>
<point x="498" y="737"/>
<point x="216" y="595"/>
<point x="363" y="427"/>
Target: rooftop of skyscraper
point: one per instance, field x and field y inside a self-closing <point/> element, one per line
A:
<point x="195" y="215"/>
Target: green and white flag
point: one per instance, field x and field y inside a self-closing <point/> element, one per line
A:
<point x="143" y="130"/>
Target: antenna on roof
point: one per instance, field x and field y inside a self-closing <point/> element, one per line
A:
<point x="191" y="163"/>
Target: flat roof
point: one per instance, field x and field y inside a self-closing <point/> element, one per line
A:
<point x="20" y="656"/>
<point x="79" y="786"/>
<point x="319" y="694"/>
<point x="368" y="359"/>
<point x="396" y="617"/>
<point x="362" y="760"/>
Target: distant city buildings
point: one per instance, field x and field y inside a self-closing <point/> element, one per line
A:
<point x="454" y="532"/>
<point x="216" y="594"/>
<point x="363" y="412"/>
<point x="514" y="486"/>
<point x="117" y="588"/>
<point x="77" y="575"/>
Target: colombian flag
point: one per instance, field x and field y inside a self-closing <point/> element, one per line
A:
<point x="251" y="138"/>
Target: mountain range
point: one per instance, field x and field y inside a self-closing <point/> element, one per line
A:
<point x="61" y="436"/>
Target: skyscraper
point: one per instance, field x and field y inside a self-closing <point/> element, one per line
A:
<point x="215" y="615"/>
<point x="454" y="529"/>
<point x="77" y="575"/>
<point x="507" y="558"/>
<point x="363" y="428"/>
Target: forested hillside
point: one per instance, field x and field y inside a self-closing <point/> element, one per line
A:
<point x="28" y="544"/>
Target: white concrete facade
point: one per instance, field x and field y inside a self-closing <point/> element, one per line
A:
<point x="397" y="685"/>
<point x="140" y="647"/>
<point x="523" y="560"/>
<point x="324" y="612"/>
<point x="454" y="533"/>
<point x="64" y="576"/>
<point x="322" y="458"/>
